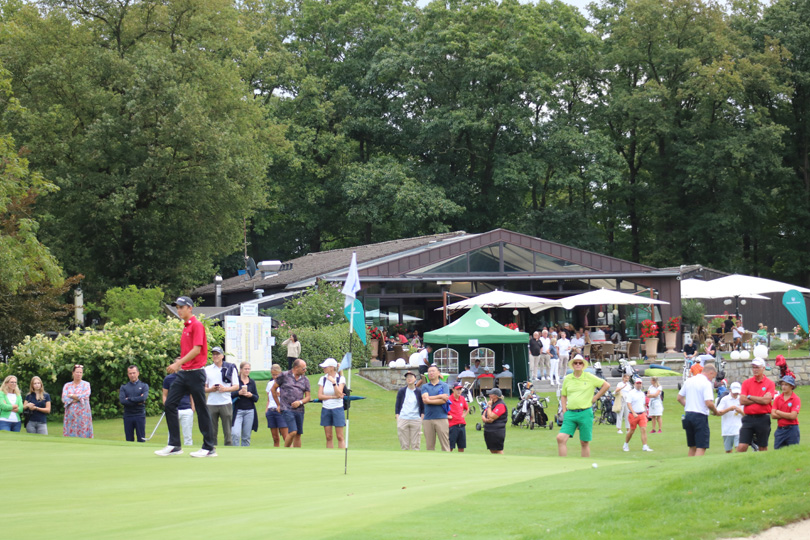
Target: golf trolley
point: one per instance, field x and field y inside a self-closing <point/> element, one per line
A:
<point x="530" y="410"/>
<point x="467" y="394"/>
<point x="603" y="410"/>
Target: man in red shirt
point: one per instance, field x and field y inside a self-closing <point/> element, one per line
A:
<point x="786" y="411"/>
<point x="456" y="418"/>
<point x="190" y="381"/>
<point x="755" y="397"/>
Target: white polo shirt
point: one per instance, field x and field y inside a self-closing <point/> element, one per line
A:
<point x="213" y="376"/>
<point x="697" y="391"/>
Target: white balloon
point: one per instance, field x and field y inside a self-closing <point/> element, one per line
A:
<point x="400" y="362"/>
<point x="761" y="351"/>
<point x="392" y="364"/>
<point x="745" y="355"/>
<point x="735" y="355"/>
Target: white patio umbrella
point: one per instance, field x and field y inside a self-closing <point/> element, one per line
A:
<point x="604" y="297"/>
<point x="741" y="285"/>
<point x="697" y="288"/>
<point x="502" y="299"/>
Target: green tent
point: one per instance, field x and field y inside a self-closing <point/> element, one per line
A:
<point x="510" y="347"/>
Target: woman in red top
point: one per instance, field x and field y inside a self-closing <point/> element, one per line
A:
<point x="786" y="411"/>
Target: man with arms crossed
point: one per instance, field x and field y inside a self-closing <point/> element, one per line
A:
<point x="577" y="399"/>
<point x="133" y="396"/>
<point x="292" y="392"/>
<point x="697" y="398"/>
<point x="786" y="408"/>
<point x="435" y="393"/>
<point x="190" y="380"/>
<point x="756" y="396"/>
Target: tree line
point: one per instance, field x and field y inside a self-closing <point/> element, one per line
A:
<point x="155" y="134"/>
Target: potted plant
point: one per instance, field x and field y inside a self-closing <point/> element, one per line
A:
<point x="375" y="336"/>
<point x="671" y="334"/>
<point x="649" y="332"/>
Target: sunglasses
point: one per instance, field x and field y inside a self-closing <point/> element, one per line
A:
<point x="577" y="363"/>
<point x="78" y="366"/>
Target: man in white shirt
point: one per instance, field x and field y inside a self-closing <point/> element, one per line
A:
<point x="544" y="367"/>
<point x="697" y="398"/>
<point x="221" y="378"/>
<point x="564" y="348"/>
<point x="637" y="405"/>
<point x="466" y="373"/>
<point x="732" y="412"/>
<point x="578" y="342"/>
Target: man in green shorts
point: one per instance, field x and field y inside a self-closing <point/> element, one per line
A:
<point x="577" y="399"/>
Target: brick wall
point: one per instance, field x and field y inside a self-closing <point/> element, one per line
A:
<point x="739" y="370"/>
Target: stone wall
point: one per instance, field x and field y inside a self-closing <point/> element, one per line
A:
<point x="388" y="378"/>
<point x="739" y="370"/>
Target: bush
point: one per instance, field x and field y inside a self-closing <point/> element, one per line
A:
<point x="318" y="307"/>
<point x="318" y="344"/>
<point x="693" y="312"/>
<point x="123" y="305"/>
<point x="105" y="354"/>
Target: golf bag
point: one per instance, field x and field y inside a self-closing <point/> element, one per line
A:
<point x="530" y="410"/>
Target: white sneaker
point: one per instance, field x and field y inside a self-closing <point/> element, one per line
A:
<point x="204" y="453"/>
<point x="619" y="432"/>
<point x="169" y="451"/>
<point x="646" y="448"/>
<point x="626" y="448"/>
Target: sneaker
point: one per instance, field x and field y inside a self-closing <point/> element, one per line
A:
<point x="619" y="432"/>
<point x="646" y="448"/>
<point x="169" y="451"/>
<point x="204" y="453"/>
<point x="626" y="448"/>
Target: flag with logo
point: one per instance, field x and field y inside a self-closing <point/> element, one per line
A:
<point x="353" y="309"/>
<point x="794" y="303"/>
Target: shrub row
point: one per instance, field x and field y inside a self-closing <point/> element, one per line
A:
<point x="317" y="344"/>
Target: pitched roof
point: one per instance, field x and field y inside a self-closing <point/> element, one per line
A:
<point x="314" y="265"/>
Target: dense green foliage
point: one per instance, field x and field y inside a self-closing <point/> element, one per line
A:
<point x="121" y="305"/>
<point x="320" y="305"/>
<point x="151" y="345"/>
<point x="318" y="344"/>
<point x="661" y="132"/>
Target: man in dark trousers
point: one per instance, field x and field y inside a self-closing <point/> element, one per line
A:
<point x="190" y="380"/>
<point x="133" y="396"/>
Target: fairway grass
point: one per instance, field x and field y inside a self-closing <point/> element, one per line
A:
<point x="107" y="488"/>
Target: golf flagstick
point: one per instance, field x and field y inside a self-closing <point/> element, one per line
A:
<point x="349" y="383"/>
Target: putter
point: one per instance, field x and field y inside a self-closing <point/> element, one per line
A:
<point x="149" y="438"/>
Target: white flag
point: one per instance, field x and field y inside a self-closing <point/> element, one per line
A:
<point x="352" y="284"/>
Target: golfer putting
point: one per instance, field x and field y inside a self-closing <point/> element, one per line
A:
<point x="576" y="400"/>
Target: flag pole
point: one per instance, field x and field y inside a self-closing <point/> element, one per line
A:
<point x="349" y="383"/>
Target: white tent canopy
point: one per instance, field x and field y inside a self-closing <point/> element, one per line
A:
<point x="741" y="285"/>
<point x="696" y="288"/>
<point x="601" y="297"/>
<point x="502" y="299"/>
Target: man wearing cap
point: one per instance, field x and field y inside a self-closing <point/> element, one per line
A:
<point x="732" y="413"/>
<point x="505" y="372"/>
<point x="409" y="411"/>
<point x="785" y="410"/>
<point x="494" y="417"/>
<point x="221" y="378"/>
<point x="457" y="418"/>
<point x="435" y="394"/>
<point x="292" y="392"/>
<point x="756" y="396"/>
<point x="637" y="415"/>
<point x="190" y="381"/>
<point x="576" y="400"/>
<point x="697" y="398"/>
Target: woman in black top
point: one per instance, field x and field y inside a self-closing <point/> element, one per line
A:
<point x="37" y="404"/>
<point x="244" y="407"/>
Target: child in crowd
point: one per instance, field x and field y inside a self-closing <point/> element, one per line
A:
<point x="731" y="422"/>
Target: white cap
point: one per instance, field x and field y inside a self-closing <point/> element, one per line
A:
<point x="758" y="362"/>
<point x="329" y="362"/>
<point x="736" y="387"/>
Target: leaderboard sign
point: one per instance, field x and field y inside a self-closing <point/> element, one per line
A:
<point x="249" y="338"/>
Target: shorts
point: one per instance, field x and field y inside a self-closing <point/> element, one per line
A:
<point x="756" y="428"/>
<point x="730" y="442"/>
<point x="275" y="420"/>
<point x="333" y="417"/>
<point x="578" y="419"/>
<point x="696" y="426"/>
<point x="786" y="436"/>
<point x="458" y="436"/>
<point x="294" y="420"/>
<point x="494" y="439"/>
<point x="635" y="421"/>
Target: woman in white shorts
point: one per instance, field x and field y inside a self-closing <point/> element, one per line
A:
<point x="656" y="394"/>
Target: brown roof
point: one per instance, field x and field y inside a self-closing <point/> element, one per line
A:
<point x="318" y="264"/>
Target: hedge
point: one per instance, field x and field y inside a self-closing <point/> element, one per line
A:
<point x="105" y="354"/>
<point x="318" y="344"/>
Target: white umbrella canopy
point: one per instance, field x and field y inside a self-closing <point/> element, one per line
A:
<point x="697" y="288"/>
<point x="603" y="297"/>
<point x="502" y="299"/>
<point x="741" y="285"/>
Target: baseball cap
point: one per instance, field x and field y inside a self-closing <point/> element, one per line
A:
<point x="183" y="301"/>
<point x="758" y="362"/>
<point x="458" y="385"/>
<point x="405" y="375"/>
<point x="506" y="366"/>
<point x="329" y="362"/>
<point x="638" y="381"/>
<point x="495" y="392"/>
<point x="218" y="350"/>
<point x="790" y="380"/>
<point x="736" y="387"/>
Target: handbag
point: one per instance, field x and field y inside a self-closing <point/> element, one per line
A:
<point x="617" y="406"/>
